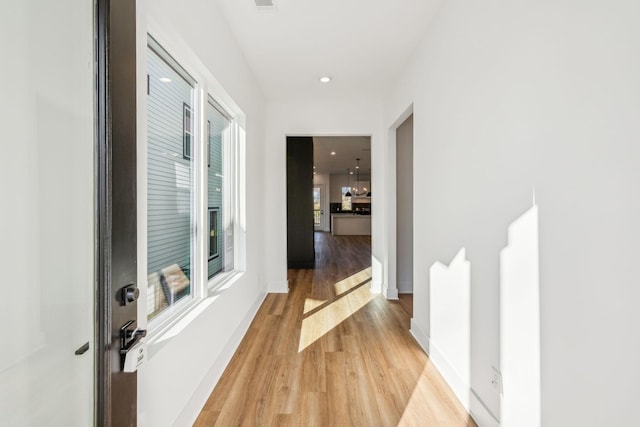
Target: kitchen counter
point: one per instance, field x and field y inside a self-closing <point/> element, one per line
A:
<point x="348" y="224"/>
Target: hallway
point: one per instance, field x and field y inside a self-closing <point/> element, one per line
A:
<point x="331" y="353"/>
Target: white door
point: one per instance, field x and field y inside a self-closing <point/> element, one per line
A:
<point x="47" y="215"/>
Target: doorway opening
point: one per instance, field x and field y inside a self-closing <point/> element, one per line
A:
<point x="404" y="213"/>
<point x="329" y="211"/>
<point x="342" y="164"/>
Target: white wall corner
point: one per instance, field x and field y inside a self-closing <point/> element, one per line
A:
<point x="278" y="288"/>
<point x="194" y="406"/>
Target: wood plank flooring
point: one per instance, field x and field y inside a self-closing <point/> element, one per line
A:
<point x="406" y="301"/>
<point x="331" y="353"/>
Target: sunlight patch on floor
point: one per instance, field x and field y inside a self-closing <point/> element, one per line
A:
<point x="351" y="299"/>
<point x="414" y="412"/>
<point x="311" y="304"/>
<point x="341" y="287"/>
<point x="424" y="407"/>
<point x="352" y="281"/>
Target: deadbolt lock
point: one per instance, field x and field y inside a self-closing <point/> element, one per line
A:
<point x="128" y="294"/>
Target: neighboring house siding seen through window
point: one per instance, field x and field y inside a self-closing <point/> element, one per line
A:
<point x="186" y="259"/>
<point x="221" y="257"/>
<point x="169" y="181"/>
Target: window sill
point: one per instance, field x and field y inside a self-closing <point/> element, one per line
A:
<point x="222" y="281"/>
<point x="163" y="331"/>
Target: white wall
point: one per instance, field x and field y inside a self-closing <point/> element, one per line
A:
<point x="404" y="206"/>
<point x="337" y="182"/>
<point x="508" y="98"/>
<point x="318" y="119"/>
<point x="184" y="365"/>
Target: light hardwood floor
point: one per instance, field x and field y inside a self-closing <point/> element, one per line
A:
<point x="406" y="302"/>
<point x="331" y="353"/>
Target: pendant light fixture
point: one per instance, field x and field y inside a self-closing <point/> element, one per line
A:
<point x="348" y="193"/>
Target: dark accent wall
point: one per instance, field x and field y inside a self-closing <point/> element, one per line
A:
<point x="300" y="249"/>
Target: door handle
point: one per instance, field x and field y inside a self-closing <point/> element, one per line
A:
<point x="82" y="350"/>
<point x="128" y="338"/>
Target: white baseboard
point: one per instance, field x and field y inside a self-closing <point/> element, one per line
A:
<point x="467" y="397"/>
<point x="459" y="385"/>
<point x="391" y="294"/>
<point x="405" y="287"/>
<point x="278" y="288"/>
<point x="480" y="413"/>
<point x="387" y="292"/>
<point x="194" y="406"/>
<point x="420" y="336"/>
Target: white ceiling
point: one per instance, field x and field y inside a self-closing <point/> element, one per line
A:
<point x="362" y="44"/>
<point x="347" y="149"/>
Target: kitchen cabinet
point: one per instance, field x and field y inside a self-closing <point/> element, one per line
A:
<point x="350" y="225"/>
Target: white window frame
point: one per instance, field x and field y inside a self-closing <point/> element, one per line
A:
<point x="229" y="203"/>
<point x="169" y="322"/>
<point x="179" y="307"/>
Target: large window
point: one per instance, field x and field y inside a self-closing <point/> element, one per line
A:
<point x="170" y="167"/>
<point x="181" y="140"/>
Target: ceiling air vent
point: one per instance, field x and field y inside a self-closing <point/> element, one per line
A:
<point x="265" y="4"/>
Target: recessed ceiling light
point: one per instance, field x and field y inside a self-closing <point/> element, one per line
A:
<point x="325" y="79"/>
<point x="333" y="153"/>
<point x="165" y="79"/>
<point x="266" y="5"/>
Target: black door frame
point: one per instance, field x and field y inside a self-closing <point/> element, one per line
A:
<point x="116" y="209"/>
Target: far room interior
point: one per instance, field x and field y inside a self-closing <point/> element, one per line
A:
<point x="342" y="183"/>
<point x="329" y="195"/>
